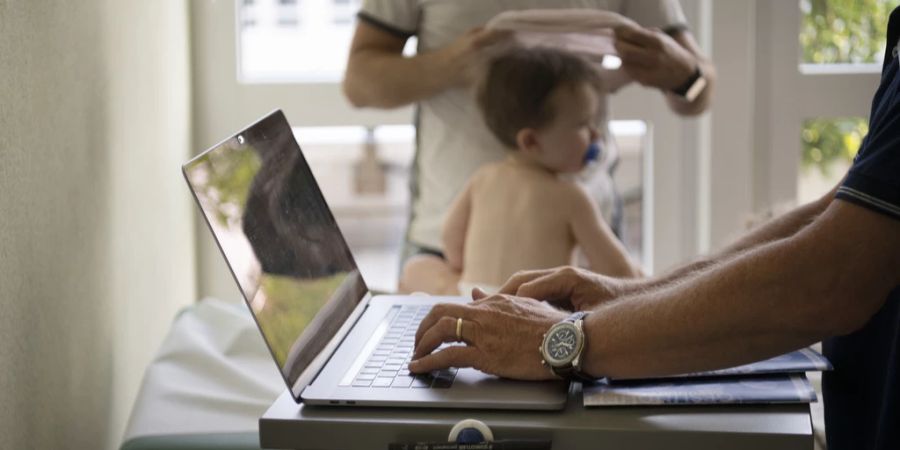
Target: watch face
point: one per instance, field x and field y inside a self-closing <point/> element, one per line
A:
<point x="561" y="344"/>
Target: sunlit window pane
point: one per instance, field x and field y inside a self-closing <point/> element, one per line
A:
<point x="294" y="40"/>
<point x="829" y="146"/>
<point x="631" y="139"/>
<point x="844" y="31"/>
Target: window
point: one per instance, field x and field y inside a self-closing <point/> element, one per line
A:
<point x="829" y="146"/>
<point x="837" y="36"/>
<point x="631" y="139"/>
<point x="844" y="31"/>
<point x="294" y="40"/>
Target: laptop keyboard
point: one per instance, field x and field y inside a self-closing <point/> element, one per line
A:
<point x="386" y="367"/>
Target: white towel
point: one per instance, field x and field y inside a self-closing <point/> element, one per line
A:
<point x="587" y="32"/>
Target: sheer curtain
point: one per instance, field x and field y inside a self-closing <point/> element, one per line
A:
<point x="96" y="251"/>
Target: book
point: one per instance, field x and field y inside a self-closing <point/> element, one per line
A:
<point x="798" y="361"/>
<point x="803" y="360"/>
<point x="769" y="388"/>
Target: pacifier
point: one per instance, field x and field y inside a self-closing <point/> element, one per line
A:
<point x="593" y="153"/>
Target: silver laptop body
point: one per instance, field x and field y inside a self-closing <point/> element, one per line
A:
<point x="333" y="342"/>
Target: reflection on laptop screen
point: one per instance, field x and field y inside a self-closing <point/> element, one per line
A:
<point x="280" y="240"/>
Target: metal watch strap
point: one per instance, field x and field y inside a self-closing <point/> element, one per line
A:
<point x="575" y="316"/>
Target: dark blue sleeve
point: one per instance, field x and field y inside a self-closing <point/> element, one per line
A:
<point x="874" y="179"/>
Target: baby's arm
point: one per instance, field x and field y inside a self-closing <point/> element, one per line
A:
<point x="604" y="252"/>
<point x="455" y="226"/>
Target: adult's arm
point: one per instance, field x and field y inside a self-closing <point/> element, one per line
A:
<point x="378" y="75"/>
<point x="827" y="280"/>
<point x="656" y="59"/>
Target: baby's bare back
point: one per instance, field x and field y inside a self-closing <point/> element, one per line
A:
<point x="520" y="219"/>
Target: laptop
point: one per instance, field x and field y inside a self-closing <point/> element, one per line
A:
<point x="333" y="341"/>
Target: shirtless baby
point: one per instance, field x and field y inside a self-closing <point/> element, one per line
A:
<point x="519" y="213"/>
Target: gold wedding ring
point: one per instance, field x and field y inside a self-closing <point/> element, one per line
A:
<point x="459" y="329"/>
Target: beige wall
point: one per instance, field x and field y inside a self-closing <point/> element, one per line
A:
<point x="95" y="222"/>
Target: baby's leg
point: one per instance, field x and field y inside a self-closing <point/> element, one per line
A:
<point x="430" y="274"/>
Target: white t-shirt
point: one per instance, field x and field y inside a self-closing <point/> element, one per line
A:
<point x="452" y="139"/>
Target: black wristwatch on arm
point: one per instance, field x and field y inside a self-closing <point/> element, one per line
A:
<point x="563" y="347"/>
<point x="691" y="89"/>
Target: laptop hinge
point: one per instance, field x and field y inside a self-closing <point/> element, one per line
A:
<point x="318" y="363"/>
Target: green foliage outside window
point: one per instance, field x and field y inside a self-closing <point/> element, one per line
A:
<point x="844" y="31"/>
<point x="835" y="32"/>
<point x="826" y="141"/>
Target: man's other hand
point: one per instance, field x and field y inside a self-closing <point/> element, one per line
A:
<point x="567" y="287"/>
<point x="654" y="58"/>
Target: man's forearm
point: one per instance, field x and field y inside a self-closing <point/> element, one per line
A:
<point x="724" y="317"/>
<point x="381" y="79"/>
<point x="826" y="280"/>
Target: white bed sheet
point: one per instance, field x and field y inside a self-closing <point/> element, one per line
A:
<point x="213" y="374"/>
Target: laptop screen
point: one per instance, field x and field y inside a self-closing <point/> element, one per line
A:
<point x="281" y="242"/>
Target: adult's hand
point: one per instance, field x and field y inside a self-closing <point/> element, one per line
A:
<point x="567" y="287"/>
<point x="378" y="75"/>
<point x="502" y="336"/>
<point x="467" y="51"/>
<point x="653" y="58"/>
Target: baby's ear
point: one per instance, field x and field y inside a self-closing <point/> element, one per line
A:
<point x="527" y="141"/>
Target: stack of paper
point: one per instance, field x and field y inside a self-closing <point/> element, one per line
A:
<point x="777" y="380"/>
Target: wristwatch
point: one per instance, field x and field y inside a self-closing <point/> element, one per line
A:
<point x="563" y="346"/>
<point x="691" y="88"/>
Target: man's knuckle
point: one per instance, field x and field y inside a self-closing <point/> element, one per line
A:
<point x="447" y="322"/>
<point x="568" y="271"/>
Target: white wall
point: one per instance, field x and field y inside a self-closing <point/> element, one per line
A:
<point x="95" y="234"/>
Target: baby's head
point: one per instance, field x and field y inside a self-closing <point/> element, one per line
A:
<point x="544" y="103"/>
